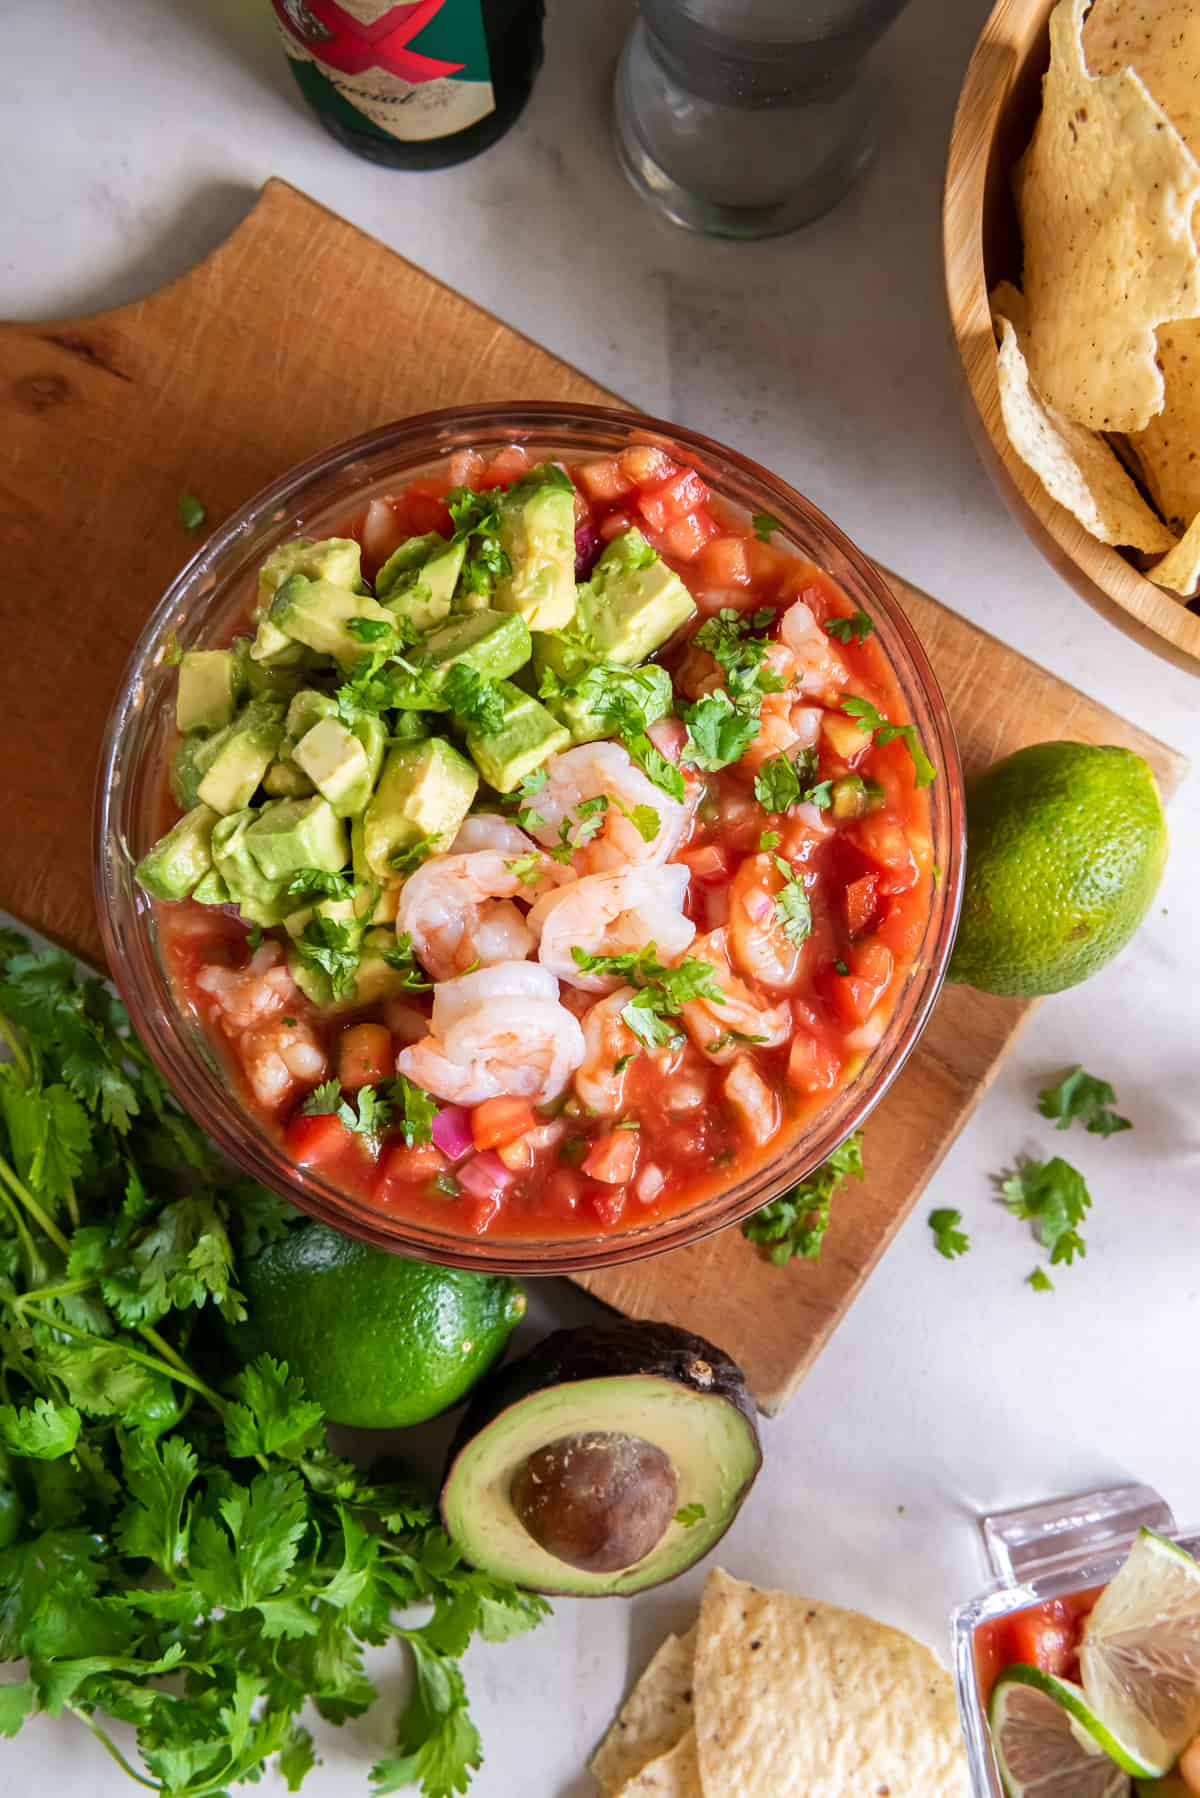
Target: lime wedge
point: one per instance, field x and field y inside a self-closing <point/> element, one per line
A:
<point x="1139" y="1658"/>
<point x="1048" y="1743"/>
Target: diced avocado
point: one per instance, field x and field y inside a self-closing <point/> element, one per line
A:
<point x="269" y="662"/>
<point x="207" y="695"/>
<point x="308" y="707"/>
<point x="388" y="902"/>
<point x="583" y="709"/>
<point x="186" y="773"/>
<point x="375" y="979"/>
<point x="537" y="533"/>
<point x="371" y="732"/>
<point x="283" y="780"/>
<point x="212" y="890"/>
<point x="317" y="614"/>
<point x="633" y="602"/>
<point x="528" y="735"/>
<point x="180" y="859"/>
<point x="410" y="727"/>
<point x="494" y="644"/>
<point x="356" y="912"/>
<point x="336" y="763"/>
<point x="424" y="791"/>
<point x="234" y="761"/>
<point x="334" y="559"/>
<point x="418" y="581"/>
<point x="247" y="883"/>
<point x="295" y="834"/>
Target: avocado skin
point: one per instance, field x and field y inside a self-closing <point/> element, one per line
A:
<point x="619" y="1350"/>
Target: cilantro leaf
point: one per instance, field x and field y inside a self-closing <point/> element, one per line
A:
<point x="654" y="764"/>
<point x="873" y="721"/>
<point x="416" y="1111"/>
<point x="796" y="1223"/>
<point x="853" y="629"/>
<point x="1082" y="1097"/>
<point x="477" y="704"/>
<point x="271" y="1415"/>
<point x="190" y="511"/>
<point x="319" y="883"/>
<point x="793" y="912"/>
<point x="662" y="993"/>
<point x="1053" y="1197"/>
<point x="44" y="1430"/>
<point x="155" y="1523"/>
<point x="719" y="733"/>
<point x="405" y="860"/>
<point x="764" y="525"/>
<point x="326" y="944"/>
<point x="728" y="1038"/>
<point x="438" y="1745"/>
<point x="527" y="868"/>
<point x="371" y="630"/>
<point x="948" y="1239"/>
<point x="323" y="1100"/>
<point x="1040" y="1280"/>
<point x="777" y="784"/>
<point x="401" y="956"/>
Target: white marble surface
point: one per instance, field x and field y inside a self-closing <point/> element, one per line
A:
<point x="131" y="144"/>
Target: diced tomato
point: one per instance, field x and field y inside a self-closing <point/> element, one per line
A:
<point x="365" y="1056"/>
<point x="1043" y="1639"/>
<point x="425" y="510"/>
<point x="564" y="1190"/>
<point x="605" y="481"/>
<point x="766" y="563"/>
<point x="508" y="465"/>
<point x="709" y="863"/>
<point x="608" y="1202"/>
<point x="686" y="537"/>
<point x="501" y="1120"/>
<point x="813" y="1067"/>
<point x="612" y="1158"/>
<point x="312" y="1141"/>
<point x="882" y="840"/>
<point x="643" y="464"/>
<point x="615" y="525"/>
<point x="724" y="562"/>
<point x="1045" y="1635"/>
<point x="465" y="468"/>
<point x="685" y="492"/>
<point x="480" y="1214"/>
<point x="399" y="1163"/>
<point x="862" y="902"/>
<point x="903" y="922"/>
<point x="856" y="994"/>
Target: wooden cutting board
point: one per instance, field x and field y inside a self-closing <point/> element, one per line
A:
<point x="300" y="331"/>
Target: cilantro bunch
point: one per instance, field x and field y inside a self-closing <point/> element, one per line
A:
<point x="160" y="1514"/>
<point x="795" y="1224"/>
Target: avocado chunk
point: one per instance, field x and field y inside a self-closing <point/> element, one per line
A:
<point x="527" y="737"/>
<point x="258" y="897"/>
<point x="658" y="1420"/>
<point x="494" y="644"/>
<point x="589" y="706"/>
<point x="295" y="834"/>
<point x="423" y="795"/>
<point x="537" y="534"/>
<point x="180" y="859"/>
<point x="233" y="762"/>
<point x="336" y="763"/>
<point x="417" y="581"/>
<point x="633" y="602"/>
<point x="375" y="978"/>
<point x="307" y="708"/>
<point x="212" y="890"/>
<point x="186" y="772"/>
<point x="207" y="695"/>
<point x="334" y="559"/>
<point x="283" y="780"/>
<point x="318" y="615"/>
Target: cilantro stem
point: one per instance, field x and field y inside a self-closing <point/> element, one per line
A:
<point x="181" y="1372"/>
<point x="14" y="1043"/>
<point x="110" y="1747"/>
<point x="22" y="1229"/>
<point x="44" y="1223"/>
<point x="63" y="1290"/>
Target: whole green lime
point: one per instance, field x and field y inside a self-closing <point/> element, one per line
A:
<point x="379" y="1342"/>
<point x="1066" y="844"/>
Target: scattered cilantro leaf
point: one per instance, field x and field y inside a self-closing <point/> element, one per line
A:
<point x="854" y="629"/>
<point x="662" y="991"/>
<point x="172" y="653"/>
<point x="820" y="795"/>
<point x="327" y="945"/>
<point x="1053" y="1197"/>
<point x="691" y="1514"/>
<point x="728" y="1038"/>
<point x="778" y="783"/>
<point x="948" y="1239"/>
<point x="796" y="1223"/>
<point x="793" y="912"/>
<point x="1082" y="1097"/>
<point x="654" y="764"/>
<point x="1040" y="1280"/>
<point x="477" y="704"/>
<point x="319" y="883"/>
<point x="769" y="839"/>
<point x="414" y="1111"/>
<point x="528" y="868"/>
<point x="719" y="733"/>
<point x="323" y="1100"/>
<point x="190" y="511"/>
<point x="869" y="719"/>
<point x="764" y="525"/>
<point x="401" y="956"/>
<point x="841" y="967"/>
<point x="371" y="630"/>
<point x="410" y="857"/>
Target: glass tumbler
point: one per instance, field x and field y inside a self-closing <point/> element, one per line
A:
<point x="745" y="118"/>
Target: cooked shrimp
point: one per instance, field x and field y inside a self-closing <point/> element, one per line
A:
<point x="605" y="769"/>
<point x="760" y="946"/>
<point x="607" y="1040"/>
<point x="458" y="910"/>
<point x="612" y="914"/>
<point x="708" y="1020"/>
<point x="279" y="1057"/>
<point x="246" y="996"/>
<point x="821" y="669"/>
<point x="756" y="1105"/>
<point x="495" y="1039"/>
<point x="784" y="726"/>
<point x="488" y="830"/>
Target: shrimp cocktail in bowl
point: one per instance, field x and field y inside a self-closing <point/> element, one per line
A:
<point x="529" y="838"/>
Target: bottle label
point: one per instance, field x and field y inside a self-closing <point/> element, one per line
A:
<point x="417" y="71"/>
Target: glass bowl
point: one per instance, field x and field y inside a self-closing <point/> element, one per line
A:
<point x="201" y="608"/>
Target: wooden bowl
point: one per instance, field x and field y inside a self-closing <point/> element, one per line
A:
<point x="997" y="110"/>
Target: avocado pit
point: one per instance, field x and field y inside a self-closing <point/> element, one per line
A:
<point x="599" y="1501"/>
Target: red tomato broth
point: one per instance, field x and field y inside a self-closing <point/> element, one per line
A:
<point x="1045" y="1635"/>
<point x="698" y="1146"/>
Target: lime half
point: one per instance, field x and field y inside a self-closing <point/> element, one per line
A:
<point x="1048" y="1743"/>
<point x="1139" y="1658"/>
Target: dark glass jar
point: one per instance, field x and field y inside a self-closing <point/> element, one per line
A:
<point x="416" y="85"/>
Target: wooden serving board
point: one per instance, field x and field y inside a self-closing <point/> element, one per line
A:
<point x="282" y="342"/>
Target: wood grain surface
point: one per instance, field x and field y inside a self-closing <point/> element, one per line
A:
<point x="997" y="110"/>
<point x="300" y="331"/>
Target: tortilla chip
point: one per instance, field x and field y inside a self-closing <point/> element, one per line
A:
<point x="1168" y="450"/>
<point x="1160" y="40"/>
<point x="1105" y="194"/>
<point x="1075" y="466"/>
<point x="798" y="1699"/>
<point x="656" y="1715"/>
<point x="675" y="1774"/>
<point x="1180" y="568"/>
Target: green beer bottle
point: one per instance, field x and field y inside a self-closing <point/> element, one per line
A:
<point x="416" y="85"/>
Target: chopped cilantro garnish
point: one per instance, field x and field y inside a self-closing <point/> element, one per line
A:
<point x="327" y="945"/>
<point x="1040" y="1280"/>
<point x="854" y="629"/>
<point x="729" y="637"/>
<point x="319" y="883"/>
<point x="527" y="868"/>
<point x="476" y="519"/>
<point x="190" y="511"/>
<point x="841" y="967"/>
<point x="873" y="721"/>
<point x="475" y="702"/>
<point x="718" y="732"/>
<point x="662" y="991"/>
<point x="1054" y="1197"/>
<point x="371" y="630"/>
<point x="765" y="525"/>
<point x="687" y="1515"/>
<point x="527" y="817"/>
<point x="404" y="860"/>
<point x="727" y="1039"/>
<point x="784" y="780"/>
<point x="769" y="839"/>
<point x="948" y="1239"/>
<point x="400" y="956"/>
<point x="172" y="653"/>
<point x="793" y="913"/>
<point x="654" y="764"/>
<point x="367" y="1117"/>
<point x="821" y="795"/>
<point x="796" y="1223"/>
<point x="413" y="1111"/>
<point x="1080" y="1096"/>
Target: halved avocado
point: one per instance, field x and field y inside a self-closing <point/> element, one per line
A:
<point x="607" y="1460"/>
